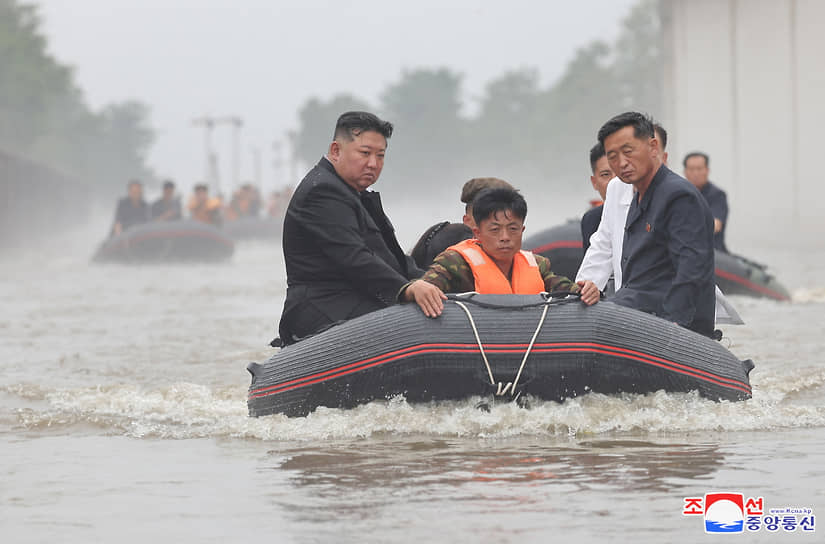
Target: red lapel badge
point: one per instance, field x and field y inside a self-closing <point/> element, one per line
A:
<point x="647" y="227"/>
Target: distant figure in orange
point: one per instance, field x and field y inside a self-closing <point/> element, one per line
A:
<point x="278" y="201"/>
<point x="246" y="202"/>
<point x="203" y="208"/>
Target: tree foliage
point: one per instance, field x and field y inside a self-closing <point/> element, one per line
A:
<point x="520" y="126"/>
<point x="43" y="115"/>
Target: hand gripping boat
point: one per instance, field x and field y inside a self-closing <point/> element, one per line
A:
<point x="505" y="345"/>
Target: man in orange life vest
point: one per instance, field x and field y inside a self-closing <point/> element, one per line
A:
<point x="492" y="262"/>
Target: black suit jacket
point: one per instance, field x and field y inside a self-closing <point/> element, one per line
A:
<point x="667" y="256"/>
<point x="342" y="257"/>
<point x="590" y="224"/>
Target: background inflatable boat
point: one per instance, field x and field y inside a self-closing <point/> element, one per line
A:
<point x="167" y="241"/>
<point x="735" y="275"/>
<point x="577" y="349"/>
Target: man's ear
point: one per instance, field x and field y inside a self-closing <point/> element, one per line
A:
<point x="654" y="145"/>
<point x="334" y="151"/>
<point x="476" y="232"/>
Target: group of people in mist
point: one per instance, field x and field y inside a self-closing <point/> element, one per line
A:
<point x="655" y="233"/>
<point x="246" y="201"/>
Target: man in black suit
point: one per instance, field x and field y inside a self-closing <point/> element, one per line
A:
<point x="131" y="210"/>
<point x="600" y="178"/>
<point x="696" y="171"/>
<point x="667" y="255"/>
<point x="342" y="257"/>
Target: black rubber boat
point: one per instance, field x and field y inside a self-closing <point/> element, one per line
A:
<point x="167" y="241"/>
<point x="735" y="275"/>
<point x="254" y="228"/>
<point x="574" y="350"/>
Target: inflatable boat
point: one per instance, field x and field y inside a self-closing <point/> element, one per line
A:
<point x="167" y="241"/>
<point x="254" y="228"/>
<point x="505" y="346"/>
<point x="735" y="275"/>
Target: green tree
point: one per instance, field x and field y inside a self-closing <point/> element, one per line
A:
<point x="430" y="138"/>
<point x="317" y="123"/>
<point x="638" y="59"/>
<point x="574" y="109"/>
<point x="43" y="115"/>
<point x="506" y="125"/>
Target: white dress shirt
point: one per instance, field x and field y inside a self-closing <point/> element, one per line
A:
<point x="604" y="256"/>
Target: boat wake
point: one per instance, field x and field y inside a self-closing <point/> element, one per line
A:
<point x="811" y="295"/>
<point x="186" y="410"/>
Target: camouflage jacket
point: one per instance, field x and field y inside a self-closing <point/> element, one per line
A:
<point x="451" y="273"/>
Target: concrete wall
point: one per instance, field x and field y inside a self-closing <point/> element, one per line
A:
<point x="745" y="82"/>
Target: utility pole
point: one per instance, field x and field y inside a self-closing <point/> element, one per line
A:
<point x="236" y="123"/>
<point x="210" y="174"/>
<point x="277" y="162"/>
<point x="256" y="166"/>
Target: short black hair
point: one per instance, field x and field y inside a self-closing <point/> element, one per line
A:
<point x="201" y="187"/>
<point x="596" y="153"/>
<point x="353" y="123"/>
<point x="476" y="185"/>
<point x="696" y="154"/>
<point x="491" y="201"/>
<point x="134" y="182"/>
<point x="168" y="184"/>
<point x="661" y="133"/>
<point x="642" y="125"/>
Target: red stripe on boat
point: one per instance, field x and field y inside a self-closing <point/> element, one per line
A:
<point x="750" y="285"/>
<point x="561" y="347"/>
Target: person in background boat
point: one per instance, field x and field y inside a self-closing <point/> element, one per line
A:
<point x="492" y="262"/>
<point x="341" y="254"/>
<point x="131" y="210"/>
<point x="278" y="201"/>
<point x="204" y="208"/>
<point x="667" y="255"/>
<point x="601" y="176"/>
<point x="443" y="235"/>
<point x="603" y="256"/>
<point x="246" y="202"/>
<point x="167" y="207"/>
<point x="696" y="171"/>
<point x="471" y="189"/>
<point x="255" y="201"/>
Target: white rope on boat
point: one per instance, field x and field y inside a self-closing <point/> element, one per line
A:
<point x="502" y="389"/>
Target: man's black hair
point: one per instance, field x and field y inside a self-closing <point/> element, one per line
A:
<point x="596" y="153"/>
<point x="168" y="184"/>
<point x="492" y="201"/>
<point x="696" y="154"/>
<point x="661" y="133"/>
<point x="642" y="125"/>
<point x="353" y="123"/>
<point x="134" y="182"/>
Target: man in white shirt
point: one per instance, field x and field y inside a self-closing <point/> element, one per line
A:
<point x="604" y="256"/>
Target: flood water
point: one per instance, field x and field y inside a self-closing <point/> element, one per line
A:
<point x="123" y="419"/>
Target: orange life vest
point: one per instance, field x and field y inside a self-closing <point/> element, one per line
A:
<point x="489" y="280"/>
